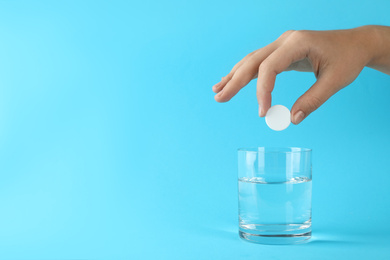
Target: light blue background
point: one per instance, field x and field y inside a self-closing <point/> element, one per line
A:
<point x="112" y="146"/>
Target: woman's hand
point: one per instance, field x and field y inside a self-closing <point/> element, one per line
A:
<point x="335" y="57"/>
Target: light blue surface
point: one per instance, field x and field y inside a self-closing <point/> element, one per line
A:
<point x="112" y="146"/>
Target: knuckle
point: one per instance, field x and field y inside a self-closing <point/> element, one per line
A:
<point x="299" y="36"/>
<point x="266" y="68"/>
<point x="263" y="67"/>
<point x="239" y="77"/>
<point x="227" y="77"/>
<point x="251" y="54"/>
<point x="239" y="73"/>
<point x="314" y="102"/>
<point x="286" y="34"/>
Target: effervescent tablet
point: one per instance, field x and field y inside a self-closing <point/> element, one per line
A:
<point x="278" y="117"/>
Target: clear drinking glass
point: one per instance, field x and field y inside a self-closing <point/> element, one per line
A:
<point x="274" y="195"/>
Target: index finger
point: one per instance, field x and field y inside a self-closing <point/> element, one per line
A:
<point x="291" y="51"/>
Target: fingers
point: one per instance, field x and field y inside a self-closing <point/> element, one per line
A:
<point x="291" y="51"/>
<point x="274" y="58"/>
<point x="237" y="82"/>
<point x="220" y="85"/>
<point x="243" y="74"/>
<point x="321" y="91"/>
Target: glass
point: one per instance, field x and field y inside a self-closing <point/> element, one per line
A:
<point x="274" y="195"/>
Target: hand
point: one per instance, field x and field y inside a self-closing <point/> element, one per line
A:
<point x="335" y="57"/>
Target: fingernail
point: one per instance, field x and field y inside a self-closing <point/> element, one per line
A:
<point x="219" y="94"/>
<point x="299" y="116"/>
<point x="262" y="112"/>
<point x="214" y="88"/>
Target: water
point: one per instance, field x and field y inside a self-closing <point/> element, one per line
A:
<point x="275" y="212"/>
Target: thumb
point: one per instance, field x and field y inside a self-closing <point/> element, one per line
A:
<point x="313" y="98"/>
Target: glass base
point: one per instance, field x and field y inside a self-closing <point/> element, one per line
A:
<point x="276" y="234"/>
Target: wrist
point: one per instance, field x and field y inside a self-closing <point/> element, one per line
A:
<point x="378" y="38"/>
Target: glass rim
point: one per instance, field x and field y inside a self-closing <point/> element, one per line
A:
<point x="275" y="150"/>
